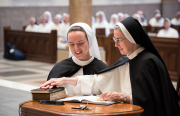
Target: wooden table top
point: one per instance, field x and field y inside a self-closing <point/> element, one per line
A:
<point x="35" y="108"/>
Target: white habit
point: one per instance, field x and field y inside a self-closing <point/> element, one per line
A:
<point x="116" y="80"/>
<point x="153" y="22"/>
<point x="44" y="28"/>
<point x="175" y="21"/>
<point x="72" y="90"/>
<point x="171" y="33"/>
<point x="31" y="28"/>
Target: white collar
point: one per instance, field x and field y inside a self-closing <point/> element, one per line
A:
<point x="82" y="63"/>
<point x="135" y="53"/>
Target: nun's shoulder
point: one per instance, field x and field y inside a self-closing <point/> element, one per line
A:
<point x="65" y="62"/>
<point x="98" y="62"/>
<point x="147" y="56"/>
<point x="120" y="62"/>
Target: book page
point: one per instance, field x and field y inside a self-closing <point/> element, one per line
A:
<point x="87" y="99"/>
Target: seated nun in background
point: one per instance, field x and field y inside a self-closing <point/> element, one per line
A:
<point x="63" y="31"/>
<point x="176" y="20"/>
<point x="158" y="21"/>
<point x="157" y="11"/>
<point x="140" y="12"/>
<point x="143" y="20"/>
<point x="49" y="18"/>
<point x="125" y="16"/>
<point x="113" y="21"/>
<point x="168" y="31"/>
<point x="32" y="27"/>
<point x="120" y="16"/>
<point x="138" y="17"/>
<point x="43" y="27"/>
<point x="101" y="22"/>
<point x="84" y="59"/>
<point x="57" y="26"/>
<point x="140" y="78"/>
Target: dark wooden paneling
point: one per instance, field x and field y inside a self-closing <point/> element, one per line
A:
<point x="169" y="49"/>
<point x="100" y="31"/>
<point x="35" y="46"/>
<point x="103" y="41"/>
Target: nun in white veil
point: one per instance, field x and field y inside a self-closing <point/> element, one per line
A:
<point x="176" y="20"/>
<point x="143" y="20"/>
<point x="84" y="59"/>
<point x="137" y="16"/>
<point x="57" y="26"/>
<point x="120" y="16"/>
<point x="113" y="21"/>
<point x="49" y="18"/>
<point x="101" y="22"/>
<point x="125" y="16"/>
<point x="168" y="31"/>
<point x="93" y="45"/>
<point x="32" y="27"/>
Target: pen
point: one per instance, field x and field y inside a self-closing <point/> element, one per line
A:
<point x="76" y="108"/>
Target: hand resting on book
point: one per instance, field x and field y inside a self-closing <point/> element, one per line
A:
<point x="58" y="81"/>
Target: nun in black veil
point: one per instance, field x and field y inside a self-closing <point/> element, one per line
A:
<point x="140" y="78"/>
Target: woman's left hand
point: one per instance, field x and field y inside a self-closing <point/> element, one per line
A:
<point x="112" y="96"/>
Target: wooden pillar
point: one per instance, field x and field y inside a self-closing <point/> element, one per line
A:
<point x="80" y="11"/>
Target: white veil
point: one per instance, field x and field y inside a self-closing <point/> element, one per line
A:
<point x="50" y="16"/>
<point x="112" y="24"/>
<point x="93" y="45"/>
<point x="103" y="24"/>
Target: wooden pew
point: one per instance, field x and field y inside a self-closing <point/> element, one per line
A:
<point x="176" y="27"/>
<point x="24" y="27"/>
<point x="35" y="46"/>
<point x="169" y="49"/>
<point x="103" y="41"/>
<point x="100" y="31"/>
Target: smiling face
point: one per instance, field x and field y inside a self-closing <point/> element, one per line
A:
<point x="125" y="46"/>
<point x="79" y="45"/>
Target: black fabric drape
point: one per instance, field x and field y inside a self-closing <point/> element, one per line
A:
<point x="68" y="68"/>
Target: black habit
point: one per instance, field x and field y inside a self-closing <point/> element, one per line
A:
<point x="68" y="68"/>
<point x="151" y="85"/>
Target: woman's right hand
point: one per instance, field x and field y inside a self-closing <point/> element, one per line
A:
<point x="52" y="82"/>
<point x="59" y="81"/>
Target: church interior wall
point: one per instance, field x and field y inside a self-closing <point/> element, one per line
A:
<point x="17" y="17"/>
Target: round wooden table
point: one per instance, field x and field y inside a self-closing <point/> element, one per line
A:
<point x="37" y="109"/>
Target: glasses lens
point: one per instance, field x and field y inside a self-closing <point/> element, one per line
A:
<point x="114" y="39"/>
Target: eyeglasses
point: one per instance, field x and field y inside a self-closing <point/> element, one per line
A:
<point x="118" y="40"/>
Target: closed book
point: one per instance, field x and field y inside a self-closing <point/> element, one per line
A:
<point x="48" y="94"/>
<point x="47" y="90"/>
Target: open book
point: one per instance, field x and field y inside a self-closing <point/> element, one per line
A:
<point x="87" y="99"/>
